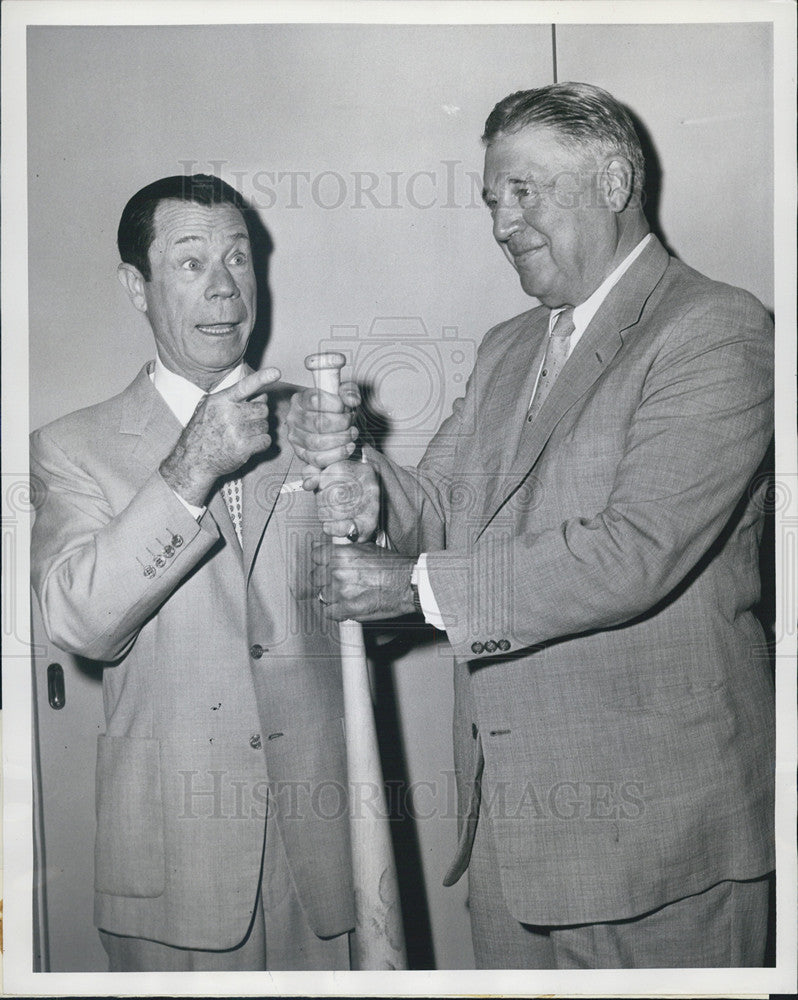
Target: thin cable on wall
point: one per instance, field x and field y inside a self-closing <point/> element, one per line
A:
<point x="554" y="53"/>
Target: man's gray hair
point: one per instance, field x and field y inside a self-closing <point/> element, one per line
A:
<point x="588" y="119"/>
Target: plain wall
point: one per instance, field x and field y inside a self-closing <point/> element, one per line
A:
<point x="403" y="273"/>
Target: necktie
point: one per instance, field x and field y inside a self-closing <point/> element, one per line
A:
<point x="232" y="494"/>
<point x="556" y="356"/>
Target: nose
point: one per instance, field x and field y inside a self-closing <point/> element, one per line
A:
<point x="221" y="283"/>
<point x="507" y="220"/>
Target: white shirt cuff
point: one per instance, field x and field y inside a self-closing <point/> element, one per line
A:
<point x="420" y="577"/>
<point x="196" y="512"/>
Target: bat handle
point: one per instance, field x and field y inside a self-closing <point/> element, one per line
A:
<point x="326" y="370"/>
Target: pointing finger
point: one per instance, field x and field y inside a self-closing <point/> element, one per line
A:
<point x="254" y="384"/>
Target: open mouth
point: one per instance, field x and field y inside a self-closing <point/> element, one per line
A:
<point x="217" y="329"/>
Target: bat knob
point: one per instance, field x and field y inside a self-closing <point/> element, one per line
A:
<point x="326" y="370"/>
<point x="320" y="362"/>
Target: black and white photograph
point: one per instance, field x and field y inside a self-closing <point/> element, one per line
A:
<point x="400" y="500"/>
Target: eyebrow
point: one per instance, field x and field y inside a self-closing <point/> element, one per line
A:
<point x="515" y="181"/>
<point x="201" y="239"/>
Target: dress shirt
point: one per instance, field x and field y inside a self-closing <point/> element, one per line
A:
<point x="583" y="314"/>
<point x="182" y="396"/>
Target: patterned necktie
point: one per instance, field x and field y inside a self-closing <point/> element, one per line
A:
<point x="232" y="492"/>
<point x="556" y="356"/>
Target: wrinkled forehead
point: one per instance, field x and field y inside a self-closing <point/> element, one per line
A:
<point x="537" y="150"/>
<point x="176" y="222"/>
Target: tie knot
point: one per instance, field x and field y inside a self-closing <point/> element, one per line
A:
<point x="564" y="324"/>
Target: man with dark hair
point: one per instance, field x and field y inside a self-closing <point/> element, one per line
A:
<point x="171" y="547"/>
<point x="135" y="233"/>
<point x="613" y="706"/>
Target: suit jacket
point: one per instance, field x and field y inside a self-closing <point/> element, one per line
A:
<point x="596" y="571"/>
<point x="222" y="684"/>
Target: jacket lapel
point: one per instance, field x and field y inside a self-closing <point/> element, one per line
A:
<point x="146" y="416"/>
<point x="262" y="480"/>
<point x="508" y="397"/>
<point x="597" y="347"/>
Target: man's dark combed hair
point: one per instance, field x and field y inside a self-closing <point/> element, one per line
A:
<point x="588" y="119"/>
<point x="135" y="234"/>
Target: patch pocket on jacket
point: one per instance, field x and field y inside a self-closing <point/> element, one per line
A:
<point x="129" y="857"/>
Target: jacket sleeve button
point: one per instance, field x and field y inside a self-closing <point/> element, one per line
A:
<point x="490" y="646"/>
<point x="177" y="541"/>
<point x="149" y="572"/>
<point x="254" y="742"/>
<point x="256" y="651"/>
<point x="504" y="645"/>
<point x="477" y="647"/>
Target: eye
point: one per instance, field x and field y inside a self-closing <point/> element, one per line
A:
<point x="239" y="258"/>
<point x="192" y="264"/>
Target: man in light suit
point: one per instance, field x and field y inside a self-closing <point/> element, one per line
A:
<point x="584" y="528"/>
<point x="172" y="546"/>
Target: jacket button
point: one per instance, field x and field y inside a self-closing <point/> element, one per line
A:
<point x="177" y="541"/>
<point x="490" y="646"/>
<point x="504" y="645"/>
<point x="256" y="651"/>
<point x="254" y="742"/>
<point x="159" y="561"/>
<point x="149" y="571"/>
<point x="476" y="647"/>
<point x="168" y="551"/>
<point x="474" y="730"/>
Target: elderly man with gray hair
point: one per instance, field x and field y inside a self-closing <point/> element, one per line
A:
<point x="585" y="529"/>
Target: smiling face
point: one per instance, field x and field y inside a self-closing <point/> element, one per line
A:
<point x="550" y="216"/>
<point x="201" y="297"/>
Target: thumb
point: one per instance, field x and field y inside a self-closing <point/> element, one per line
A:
<point x="350" y="394"/>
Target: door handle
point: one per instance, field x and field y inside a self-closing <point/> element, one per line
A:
<point x="56" y="693"/>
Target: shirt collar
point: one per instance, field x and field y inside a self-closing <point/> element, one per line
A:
<point x="585" y="311"/>
<point x="181" y="395"/>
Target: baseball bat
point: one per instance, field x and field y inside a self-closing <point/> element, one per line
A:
<point x="378" y="940"/>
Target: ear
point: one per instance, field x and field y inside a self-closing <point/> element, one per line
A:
<point x="616" y="183"/>
<point x="132" y="280"/>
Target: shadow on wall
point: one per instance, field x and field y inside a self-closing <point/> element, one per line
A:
<point x="404" y="832"/>
<point x="653" y="185"/>
<point x="262" y="249"/>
